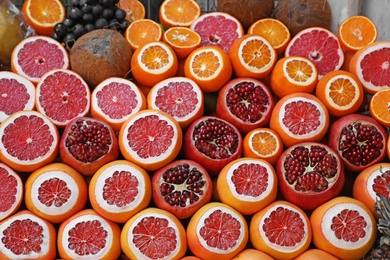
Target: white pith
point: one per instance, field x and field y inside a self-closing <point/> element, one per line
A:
<point x="70" y="184"/>
<point x="313" y="77"/>
<point x="330" y="100"/>
<point x="129" y="235"/>
<point x="285" y="249"/>
<point x="107" y="173"/>
<point x="29" y="86"/>
<point x="19" y="191"/>
<point x="33" y="255"/>
<point x="162" y="69"/>
<point x="206" y="215"/>
<point x="232" y="187"/>
<point x="332" y="212"/>
<point x="64" y="236"/>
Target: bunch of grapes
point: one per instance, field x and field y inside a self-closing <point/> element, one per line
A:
<point x="84" y="16"/>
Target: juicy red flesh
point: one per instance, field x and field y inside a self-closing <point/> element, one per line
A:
<point x="247" y="101"/>
<point x="87" y="140"/>
<point x="361" y="144"/>
<point x="310" y="168"/>
<point x="182" y="185"/>
<point x="215" y="139"/>
<point x="381" y="185"/>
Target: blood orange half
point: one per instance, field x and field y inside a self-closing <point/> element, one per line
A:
<point x="153" y="234"/>
<point x="180" y="97"/>
<point x="115" y="99"/>
<point x="28" y="141"/>
<point x="36" y="55"/>
<point x="11" y="191"/>
<point x="320" y="46"/>
<point x="119" y="189"/>
<point x="62" y="95"/>
<point x="17" y="93"/>
<point x="87" y="235"/>
<point x="27" y="236"/>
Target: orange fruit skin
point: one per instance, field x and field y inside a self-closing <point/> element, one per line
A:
<point x="239" y="69"/>
<point x="115" y="249"/>
<point x="245" y="207"/>
<point x="286" y="138"/>
<point x="315" y="254"/>
<point x="76" y="176"/>
<point x="377" y="103"/>
<point x="321" y="242"/>
<point x="192" y="235"/>
<point x="215" y="84"/>
<point x="51" y="240"/>
<point x="320" y="92"/>
<point x="190" y="257"/>
<point x="252" y="254"/>
<point x="157" y="212"/>
<point x="259" y="242"/>
<point x="148" y="78"/>
<point x="119" y="217"/>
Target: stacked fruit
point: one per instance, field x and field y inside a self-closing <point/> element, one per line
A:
<point x="217" y="143"/>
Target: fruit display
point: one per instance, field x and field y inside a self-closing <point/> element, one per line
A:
<point x="202" y="134"/>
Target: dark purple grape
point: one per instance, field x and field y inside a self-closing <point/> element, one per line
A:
<point x="68" y="22"/>
<point x="120" y="14"/>
<point x="88" y="18"/>
<point x="69" y="39"/>
<point x="56" y="37"/>
<point x="74" y="3"/>
<point x="124" y="25"/>
<point x="78" y="30"/>
<point x="89" y="27"/>
<point x="106" y="3"/>
<point x="60" y="29"/>
<point x="86" y="8"/>
<point x="101" y="23"/>
<point x="108" y="14"/>
<point x="97" y="10"/>
<point x="75" y="13"/>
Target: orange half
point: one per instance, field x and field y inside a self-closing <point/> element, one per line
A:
<point x="143" y="31"/>
<point x="182" y="40"/>
<point x="179" y="13"/>
<point x="380" y="106"/>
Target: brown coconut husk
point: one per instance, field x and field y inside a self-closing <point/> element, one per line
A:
<point x="246" y="11"/>
<point x="301" y="14"/>
<point x="100" y="54"/>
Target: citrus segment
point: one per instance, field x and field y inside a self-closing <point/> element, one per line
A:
<point x="281" y="230"/>
<point x="17" y="93"/>
<point x="252" y="56"/>
<point x="27" y="236"/>
<point x="119" y="189"/>
<point x="209" y="67"/>
<point x="293" y="74"/>
<point x="217" y="231"/>
<point x="180" y="97"/>
<point x="36" y="55"/>
<point x="380" y="106"/>
<point x="62" y="95"/>
<point x="115" y="99"/>
<point x="179" y="13"/>
<point x="43" y="15"/>
<point x="182" y="40"/>
<point x="143" y="31"/>
<point x="87" y="235"/>
<point x="153" y="62"/>
<point x="274" y="31"/>
<point x="55" y="192"/>
<point x="11" y="191"/>
<point x="28" y="141"/>
<point x="341" y="92"/>
<point x="356" y="31"/>
<point x="153" y="234"/>
<point x="150" y="138"/>
<point x="135" y="10"/>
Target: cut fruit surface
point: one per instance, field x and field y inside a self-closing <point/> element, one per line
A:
<point x="11" y="190"/>
<point x="183" y="40"/>
<point x="143" y="31"/>
<point x="179" y="13"/>
<point x="135" y="10"/>
<point x="380" y="106"/>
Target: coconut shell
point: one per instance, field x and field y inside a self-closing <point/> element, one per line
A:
<point x="246" y="11"/>
<point x="301" y="14"/>
<point x="100" y="54"/>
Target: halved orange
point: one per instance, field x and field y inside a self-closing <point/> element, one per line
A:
<point x="134" y="9"/>
<point x="356" y="31"/>
<point x="380" y="106"/>
<point x="182" y="40"/>
<point x="43" y="15"/>
<point x="143" y="31"/>
<point x="179" y="12"/>
<point x="274" y="31"/>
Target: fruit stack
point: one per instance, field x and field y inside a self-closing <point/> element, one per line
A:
<point x="197" y="136"/>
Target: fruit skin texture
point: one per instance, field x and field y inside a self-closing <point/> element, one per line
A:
<point x="378" y="148"/>
<point x="309" y="200"/>
<point x="212" y="165"/>
<point x="316" y="220"/>
<point x="315" y="254"/>
<point x="263" y="104"/>
<point x="252" y="254"/>
<point x="95" y="56"/>
<point x="189" y="209"/>
<point x="88" y="168"/>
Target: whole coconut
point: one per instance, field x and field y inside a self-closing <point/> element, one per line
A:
<point x="246" y="11"/>
<point x="301" y="14"/>
<point x="100" y="54"/>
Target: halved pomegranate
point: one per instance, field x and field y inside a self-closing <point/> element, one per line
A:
<point x="87" y="144"/>
<point x="359" y="139"/>
<point x="181" y="187"/>
<point x="309" y="174"/>
<point x="246" y="103"/>
<point x="212" y="142"/>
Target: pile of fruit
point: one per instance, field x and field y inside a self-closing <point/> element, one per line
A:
<point x="203" y="135"/>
